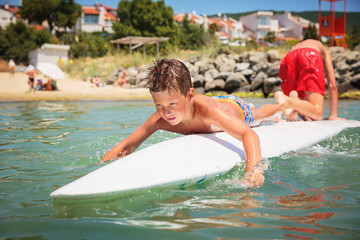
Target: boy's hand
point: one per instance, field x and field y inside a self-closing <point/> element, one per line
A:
<point x="254" y="178"/>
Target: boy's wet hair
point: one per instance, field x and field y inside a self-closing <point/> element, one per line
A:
<point x="169" y="74"/>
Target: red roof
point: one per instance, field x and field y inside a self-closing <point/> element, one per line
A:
<point x="216" y="21"/>
<point x="14" y="10"/>
<point x="37" y="27"/>
<point x="109" y="16"/>
<point x="178" y="18"/>
<point x="229" y="23"/>
<point x="222" y="34"/>
<point x="90" y="10"/>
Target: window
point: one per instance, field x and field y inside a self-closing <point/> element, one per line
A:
<point x="91" y="18"/>
<point x="262" y="20"/>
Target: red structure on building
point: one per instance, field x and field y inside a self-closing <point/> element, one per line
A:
<point x="333" y="26"/>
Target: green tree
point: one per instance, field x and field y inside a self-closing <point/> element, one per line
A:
<point x="17" y="40"/>
<point x="191" y="35"/>
<point x="88" y="45"/>
<point x="37" y="11"/>
<point x="353" y="38"/>
<point x="213" y="28"/>
<point x="67" y="14"/>
<point x="145" y="18"/>
<point x="311" y="32"/>
<point x="270" y="37"/>
<point x="62" y="13"/>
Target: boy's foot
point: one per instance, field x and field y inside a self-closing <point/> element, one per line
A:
<point x="290" y="114"/>
<point x="281" y="100"/>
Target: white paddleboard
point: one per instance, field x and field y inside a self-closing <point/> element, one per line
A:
<point x="194" y="158"/>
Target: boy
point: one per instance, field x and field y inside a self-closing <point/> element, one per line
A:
<point x="179" y="110"/>
<point x="302" y="72"/>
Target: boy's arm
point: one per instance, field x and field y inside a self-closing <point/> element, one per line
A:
<point x="134" y="140"/>
<point x="330" y="76"/>
<point x="235" y="127"/>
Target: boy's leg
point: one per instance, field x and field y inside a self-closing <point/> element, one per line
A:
<point x="265" y="113"/>
<point x="311" y="106"/>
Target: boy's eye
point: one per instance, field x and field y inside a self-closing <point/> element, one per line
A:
<point x="172" y="104"/>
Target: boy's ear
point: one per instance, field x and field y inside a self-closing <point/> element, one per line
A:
<point x="191" y="93"/>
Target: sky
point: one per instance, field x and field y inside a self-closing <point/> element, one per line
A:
<point x="211" y="7"/>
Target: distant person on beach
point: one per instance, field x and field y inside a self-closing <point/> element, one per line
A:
<point x="122" y="81"/>
<point x="179" y="110"/>
<point x="12" y="67"/>
<point x="31" y="72"/>
<point x="97" y="81"/>
<point x="39" y="84"/>
<point x="303" y="86"/>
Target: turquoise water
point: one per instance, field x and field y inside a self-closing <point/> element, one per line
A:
<point x="313" y="193"/>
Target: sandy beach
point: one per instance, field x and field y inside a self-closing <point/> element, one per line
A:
<point x="16" y="89"/>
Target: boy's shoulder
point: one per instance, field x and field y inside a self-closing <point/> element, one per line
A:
<point x="205" y="103"/>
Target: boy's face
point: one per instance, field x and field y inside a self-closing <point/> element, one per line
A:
<point x="172" y="106"/>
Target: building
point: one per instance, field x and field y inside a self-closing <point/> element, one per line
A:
<point x="259" y="23"/>
<point x="50" y="53"/>
<point x="293" y="26"/>
<point x="229" y="28"/>
<point x="96" y="18"/>
<point x="8" y="14"/>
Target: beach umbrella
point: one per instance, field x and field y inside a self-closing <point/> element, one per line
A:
<point x="50" y="70"/>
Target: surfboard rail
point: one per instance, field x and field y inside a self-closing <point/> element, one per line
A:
<point x="194" y="158"/>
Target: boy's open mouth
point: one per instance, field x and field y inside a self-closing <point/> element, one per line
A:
<point x="171" y="119"/>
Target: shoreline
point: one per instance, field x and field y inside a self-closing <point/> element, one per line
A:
<point x="15" y="89"/>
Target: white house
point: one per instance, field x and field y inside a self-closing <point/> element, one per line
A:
<point x="8" y="14"/>
<point x="260" y="22"/>
<point x="96" y="18"/>
<point x="49" y="53"/>
<point x="292" y="26"/>
<point x="229" y="28"/>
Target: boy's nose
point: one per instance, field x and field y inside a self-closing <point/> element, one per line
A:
<point x="167" y="111"/>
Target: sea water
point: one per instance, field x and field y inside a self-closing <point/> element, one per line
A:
<point x="313" y="193"/>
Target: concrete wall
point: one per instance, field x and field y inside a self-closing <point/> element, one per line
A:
<point x="47" y="55"/>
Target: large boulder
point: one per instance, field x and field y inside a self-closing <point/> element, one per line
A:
<point x="228" y="66"/>
<point x="141" y="77"/>
<point x="132" y="71"/>
<point x="198" y="81"/>
<point x="223" y="75"/>
<point x="256" y="57"/>
<point x="241" y="66"/>
<point x="273" y="71"/>
<point x="350" y="83"/>
<point x="210" y="75"/>
<point x="235" y="81"/>
<point x="258" y="81"/>
<point x="194" y="70"/>
<point x="261" y="66"/>
<point x="203" y="66"/>
<point x="200" y="90"/>
<point x="215" y="85"/>
<point x="355" y="81"/>
<point x="355" y="68"/>
<point x="342" y="67"/>
<point x="141" y="84"/>
<point x="352" y="57"/>
<point x="271" y="85"/>
<point x="272" y="55"/>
